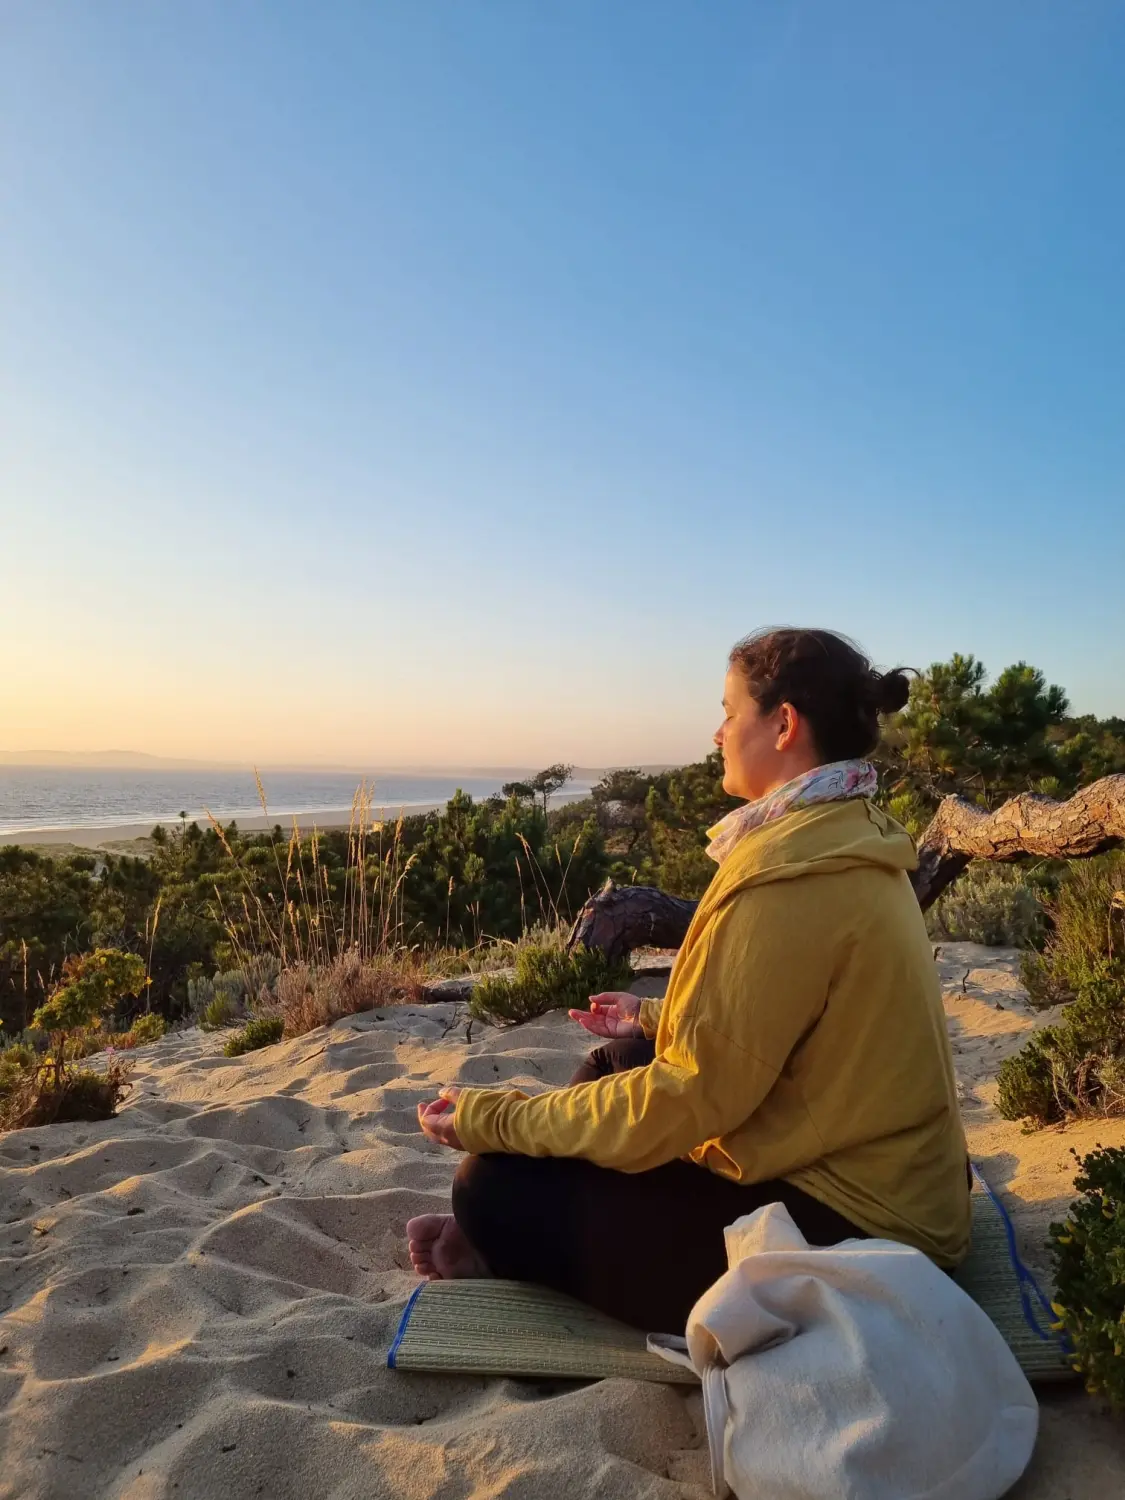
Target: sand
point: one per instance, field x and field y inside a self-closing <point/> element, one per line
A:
<point x="196" y="1298"/>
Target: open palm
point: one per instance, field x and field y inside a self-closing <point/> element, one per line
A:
<point x="612" y="1014"/>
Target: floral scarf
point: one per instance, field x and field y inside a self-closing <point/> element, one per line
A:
<point x="832" y="783"/>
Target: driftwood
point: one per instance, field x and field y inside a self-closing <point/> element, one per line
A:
<point x="620" y="918"/>
<point x="623" y="917"/>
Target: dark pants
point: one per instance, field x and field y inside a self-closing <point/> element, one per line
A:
<point x="616" y="1057"/>
<point x="641" y="1246"/>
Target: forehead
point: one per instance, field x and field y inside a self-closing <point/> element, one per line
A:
<point x="734" y="687"/>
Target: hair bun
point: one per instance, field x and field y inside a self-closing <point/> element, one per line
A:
<point x="892" y="690"/>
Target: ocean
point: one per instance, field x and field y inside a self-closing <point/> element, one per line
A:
<point x="40" y="798"/>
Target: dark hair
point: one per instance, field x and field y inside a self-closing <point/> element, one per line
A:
<point x="826" y="678"/>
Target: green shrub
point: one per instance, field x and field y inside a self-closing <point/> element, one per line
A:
<point x="36" y="1090"/>
<point x="200" y="993"/>
<point x="1076" y="1066"/>
<point x="1026" y="1083"/>
<point x="911" y="810"/>
<point x="40" y="1096"/>
<point x="262" y="1031"/>
<point x="16" y="1066"/>
<point x="992" y="904"/>
<point x="545" y="979"/>
<point x="254" y="984"/>
<point x="147" y="1028"/>
<point x="1089" y="1251"/>
<point x="217" y="1013"/>
<point x="1086" y="945"/>
<point x="91" y="985"/>
<point x="1072" y="1068"/>
<point x="18" y="1055"/>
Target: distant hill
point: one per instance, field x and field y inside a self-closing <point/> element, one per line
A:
<point x="117" y="760"/>
<point x="138" y="760"/>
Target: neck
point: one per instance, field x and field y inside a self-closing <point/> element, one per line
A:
<point x="786" y="774"/>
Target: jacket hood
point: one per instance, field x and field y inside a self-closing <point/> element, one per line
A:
<point x="816" y="840"/>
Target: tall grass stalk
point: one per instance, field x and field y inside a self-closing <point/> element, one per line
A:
<point x="305" y="924"/>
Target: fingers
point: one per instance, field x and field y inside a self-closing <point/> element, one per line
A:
<point x="617" y="1003"/>
<point x="596" y="1025"/>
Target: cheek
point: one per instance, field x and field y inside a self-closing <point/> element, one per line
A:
<point x="737" y="741"/>
<point x="749" y="742"/>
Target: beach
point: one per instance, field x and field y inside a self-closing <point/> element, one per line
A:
<point x="198" y="1296"/>
<point x="125" y="837"/>
<point x="132" y="838"/>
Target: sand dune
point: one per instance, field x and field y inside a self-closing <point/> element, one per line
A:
<point x="198" y="1296"/>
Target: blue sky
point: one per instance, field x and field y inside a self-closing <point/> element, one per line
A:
<point x="428" y="383"/>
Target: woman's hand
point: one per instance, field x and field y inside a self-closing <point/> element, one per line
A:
<point x="612" y="1014"/>
<point x="436" y="1119"/>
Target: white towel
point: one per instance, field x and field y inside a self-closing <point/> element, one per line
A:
<point x="857" y="1372"/>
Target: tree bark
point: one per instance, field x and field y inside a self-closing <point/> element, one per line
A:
<point x="621" y="918"/>
<point x="1090" y="822"/>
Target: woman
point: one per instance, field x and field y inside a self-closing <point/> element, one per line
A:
<point x="800" y="1056"/>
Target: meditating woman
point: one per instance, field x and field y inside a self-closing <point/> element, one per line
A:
<point x="800" y="1056"/>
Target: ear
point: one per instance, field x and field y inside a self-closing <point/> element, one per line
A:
<point x="789" y="724"/>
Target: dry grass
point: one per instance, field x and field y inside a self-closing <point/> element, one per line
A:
<point x="341" y="951"/>
<point x="336" y="952"/>
<point x="311" y="924"/>
<point x="309" y="995"/>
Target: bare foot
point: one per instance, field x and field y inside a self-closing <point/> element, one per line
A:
<point x="440" y="1252"/>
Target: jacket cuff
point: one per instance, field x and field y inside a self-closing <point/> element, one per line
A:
<point x="475" y="1116"/>
<point x="649" y="1016"/>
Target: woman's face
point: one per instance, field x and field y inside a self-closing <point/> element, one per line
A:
<point x="760" y="751"/>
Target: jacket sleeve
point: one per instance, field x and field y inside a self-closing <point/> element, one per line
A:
<point x="750" y="990"/>
<point x="649" y="1016"/>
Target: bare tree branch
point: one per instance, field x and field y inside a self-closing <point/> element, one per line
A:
<point x="1087" y="823"/>
<point x="621" y="918"/>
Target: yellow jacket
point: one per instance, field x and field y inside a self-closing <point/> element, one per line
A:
<point x="802" y="1037"/>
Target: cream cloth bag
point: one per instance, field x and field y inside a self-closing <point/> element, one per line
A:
<point x="858" y="1372"/>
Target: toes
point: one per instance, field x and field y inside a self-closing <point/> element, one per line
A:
<point x="425" y="1228"/>
<point x="423" y="1234"/>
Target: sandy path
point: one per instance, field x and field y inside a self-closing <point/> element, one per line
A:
<point x="197" y="1297"/>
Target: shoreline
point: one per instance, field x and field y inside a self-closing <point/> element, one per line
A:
<point x="109" y="835"/>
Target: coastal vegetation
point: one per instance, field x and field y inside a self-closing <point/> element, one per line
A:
<point x="225" y="927"/>
<point x="269" y="935"/>
<point x="40" y="1087"/>
<point x="1089" y="1254"/>
<point x="546" y="977"/>
<point x="1076" y="1066"/>
<point x="261" y="1031"/>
